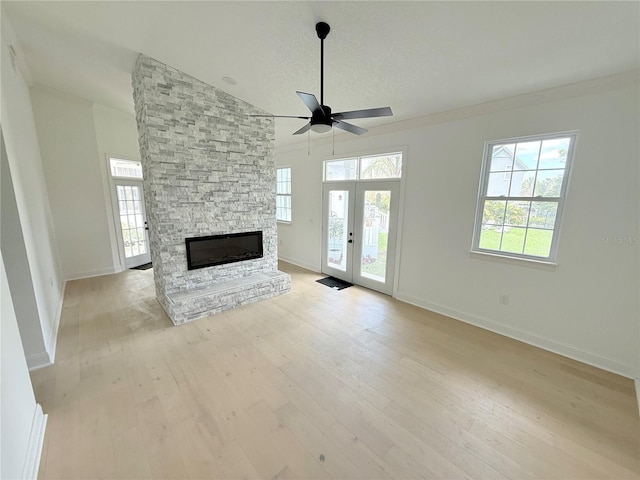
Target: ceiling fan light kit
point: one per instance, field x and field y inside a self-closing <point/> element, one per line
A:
<point x="321" y="119"/>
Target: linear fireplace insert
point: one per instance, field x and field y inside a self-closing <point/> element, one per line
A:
<point x="219" y="249"/>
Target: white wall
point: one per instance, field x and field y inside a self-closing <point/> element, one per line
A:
<point x="586" y="307"/>
<point x="18" y="271"/>
<point x="76" y="137"/>
<point x="21" y="420"/>
<point x="117" y="136"/>
<point x="70" y="159"/>
<point x="24" y="158"/>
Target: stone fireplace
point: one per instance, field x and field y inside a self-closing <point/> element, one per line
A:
<point x="209" y="172"/>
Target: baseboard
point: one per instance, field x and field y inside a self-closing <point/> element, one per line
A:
<point x="38" y="361"/>
<point x="92" y="273"/>
<point x="637" y="382"/>
<point x="36" y="442"/>
<point x="526" y="337"/>
<point x="53" y="334"/>
<point x="299" y="263"/>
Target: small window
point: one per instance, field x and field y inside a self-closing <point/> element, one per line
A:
<point x="125" y="168"/>
<point x="521" y="196"/>
<point x="345" y="169"/>
<point x="381" y="166"/>
<point x="374" y="167"/>
<point x="283" y="194"/>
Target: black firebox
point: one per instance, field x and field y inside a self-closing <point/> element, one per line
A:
<point x="219" y="249"/>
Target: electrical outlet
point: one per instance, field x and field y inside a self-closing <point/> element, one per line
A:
<point x="504" y="299"/>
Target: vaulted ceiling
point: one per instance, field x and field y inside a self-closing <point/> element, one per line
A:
<point x="417" y="57"/>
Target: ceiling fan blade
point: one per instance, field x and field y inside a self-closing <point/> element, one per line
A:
<point x="310" y="101"/>
<point x="368" y="113"/>
<point x="349" y="127"/>
<point x="281" y="116"/>
<point x="303" y="129"/>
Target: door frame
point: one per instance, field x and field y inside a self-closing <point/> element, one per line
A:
<point x="401" y="200"/>
<point x="115" y="210"/>
<point x="350" y="187"/>
<point x="353" y="246"/>
<point x="393" y="185"/>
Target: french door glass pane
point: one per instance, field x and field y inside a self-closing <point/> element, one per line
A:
<point x="337" y="234"/>
<point x="131" y="220"/>
<point x="375" y="232"/>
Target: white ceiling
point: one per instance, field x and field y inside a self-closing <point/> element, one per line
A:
<point x="418" y="58"/>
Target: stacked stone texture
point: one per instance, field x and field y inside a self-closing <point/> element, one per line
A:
<point x="208" y="169"/>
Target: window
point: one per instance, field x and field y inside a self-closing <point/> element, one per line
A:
<point x="125" y="168"/>
<point x="522" y="192"/>
<point x="374" y="167"/>
<point x="283" y="194"/>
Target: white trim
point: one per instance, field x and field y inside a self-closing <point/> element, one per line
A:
<point x="400" y="227"/>
<point x="36" y="442"/>
<point x="545" y="264"/>
<point x="636" y="381"/>
<point x="108" y="205"/>
<point x="93" y="273"/>
<point x="47" y="358"/>
<point x="485" y="179"/>
<point x="52" y="342"/>
<point x="526" y="337"/>
<point x="300" y="263"/>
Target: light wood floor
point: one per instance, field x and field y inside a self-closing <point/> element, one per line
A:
<point x="317" y="384"/>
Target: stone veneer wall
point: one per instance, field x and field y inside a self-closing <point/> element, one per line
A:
<point x="208" y="169"/>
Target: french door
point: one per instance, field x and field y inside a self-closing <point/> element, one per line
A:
<point x="359" y="232"/>
<point x="131" y="222"/>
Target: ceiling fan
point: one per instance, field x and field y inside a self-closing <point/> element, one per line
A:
<point x="321" y="119"/>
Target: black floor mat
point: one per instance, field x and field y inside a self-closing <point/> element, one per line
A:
<point x="146" y="266"/>
<point x="334" y="283"/>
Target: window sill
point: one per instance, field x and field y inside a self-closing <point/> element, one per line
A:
<point x="529" y="262"/>
<point x="283" y="222"/>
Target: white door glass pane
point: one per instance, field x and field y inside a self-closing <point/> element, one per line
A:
<point x="337" y="234"/>
<point x="132" y="222"/>
<point x="381" y="166"/>
<point x="340" y="169"/>
<point x="375" y="234"/>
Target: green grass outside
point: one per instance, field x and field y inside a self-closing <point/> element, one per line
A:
<point x="538" y="242"/>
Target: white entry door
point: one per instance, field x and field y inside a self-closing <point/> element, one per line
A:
<point x="359" y="240"/>
<point x="132" y="223"/>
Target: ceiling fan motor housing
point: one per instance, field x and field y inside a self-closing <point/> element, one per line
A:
<point x="322" y="116"/>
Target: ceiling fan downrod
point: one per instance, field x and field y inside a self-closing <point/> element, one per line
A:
<point x="322" y="29"/>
